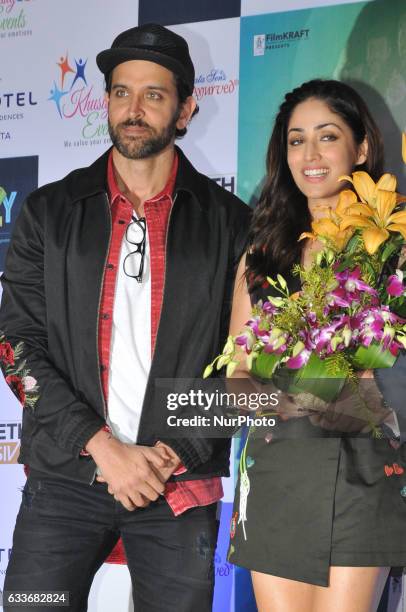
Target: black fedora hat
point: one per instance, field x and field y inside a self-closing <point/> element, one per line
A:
<point x="154" y="43"/>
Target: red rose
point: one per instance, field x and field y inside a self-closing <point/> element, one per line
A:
<point x="6" y="354"/>
<point x="16" y="385"/>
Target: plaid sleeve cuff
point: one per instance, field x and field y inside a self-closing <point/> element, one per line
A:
<point x="181" y="470"/>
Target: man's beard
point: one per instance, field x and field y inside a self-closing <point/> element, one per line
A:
<point x="142" y="147"/>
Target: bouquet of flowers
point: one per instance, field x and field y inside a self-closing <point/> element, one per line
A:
<point x="350" y="313"/>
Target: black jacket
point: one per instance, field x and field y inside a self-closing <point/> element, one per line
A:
<point x="51" y="296"/>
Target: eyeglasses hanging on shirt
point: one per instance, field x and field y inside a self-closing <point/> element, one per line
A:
<point x="136" y="236"/>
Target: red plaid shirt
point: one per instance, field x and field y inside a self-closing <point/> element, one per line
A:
<point x="180" y="495"/>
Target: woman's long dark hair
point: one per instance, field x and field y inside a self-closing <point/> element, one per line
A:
<point x="282" y="213"/>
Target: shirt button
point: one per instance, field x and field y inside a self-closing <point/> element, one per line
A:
<point x="105" y="315"/>
<point x="121" y="221"/>
<point x="110" y="266"/>
<point x="103" y="368"/>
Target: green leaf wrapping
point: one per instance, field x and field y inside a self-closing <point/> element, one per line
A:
<point x="264" y="365"/>
<point x="372" y="356"/>
<point x="315" y="378"/>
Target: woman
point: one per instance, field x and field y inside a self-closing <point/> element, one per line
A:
<point x="324" y="521"/>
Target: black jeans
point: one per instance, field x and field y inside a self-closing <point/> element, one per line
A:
<point x="65" y="530"/>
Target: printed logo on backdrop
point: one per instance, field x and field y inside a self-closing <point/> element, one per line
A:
<point x="278" y="40"/>
<point x="215" y="82"/>
<point x="226" y="182"/>
<point x="14" y="18"/>
<point x="222" y="568"/>
<point x="5" y="554"/>
<point x="179" y="11"/>
<point x="13" y="104"/>
<point x="77" y="100"/>
<point x="18" y="177"/>
<point x="10" y="438"/>
<point x="259" y="44"/>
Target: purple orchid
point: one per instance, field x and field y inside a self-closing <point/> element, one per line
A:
<point x="339" y="297"/>
<point x="351" y="281"/>
<point x="269" y="348"/>
<point x="277" y="342"/>
<point x="294" y="363"/>
<point x="327" y="333"/>
<point x="377" y="324"/>
<point x="350" y="288"/>
<point x="246" y="340"/>
<point x="269" y="308"/>
<point x="395" y="286"/>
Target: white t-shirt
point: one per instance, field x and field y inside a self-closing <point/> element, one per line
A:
<point x="130" y="350"/>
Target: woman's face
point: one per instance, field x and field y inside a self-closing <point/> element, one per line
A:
<point x="321" y="148"/>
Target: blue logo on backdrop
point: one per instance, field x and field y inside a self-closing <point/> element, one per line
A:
<point x="179" y="11"/>
<point x="12" y="105"/>
<point x="18" y="177"/>
<point x="5" y="554"/>
<point x="17" y="98"/>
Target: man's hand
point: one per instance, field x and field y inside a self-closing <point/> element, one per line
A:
<point x="135" y="475"/>
<point x="173" y="460"/>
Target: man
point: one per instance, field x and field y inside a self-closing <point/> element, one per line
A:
<point x="117" y="275"/>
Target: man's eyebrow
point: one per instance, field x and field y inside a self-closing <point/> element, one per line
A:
<point x="152" y="86"/>
<point x="158" y="87"/>
<point x="316" y="127"/>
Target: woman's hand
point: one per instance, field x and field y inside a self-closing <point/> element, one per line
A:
<point x="365" y="373"/>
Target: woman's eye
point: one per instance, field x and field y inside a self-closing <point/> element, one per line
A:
<point x="329" y="137"/>
<point x="295" y="141"/>
<point x="121" y="93"/>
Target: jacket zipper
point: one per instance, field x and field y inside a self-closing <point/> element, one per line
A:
<point x="98" y="310"/>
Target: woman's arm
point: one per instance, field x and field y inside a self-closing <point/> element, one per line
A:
<point x="240" y="314"/>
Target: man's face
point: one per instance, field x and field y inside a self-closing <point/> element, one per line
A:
<point x="144" y="110"/>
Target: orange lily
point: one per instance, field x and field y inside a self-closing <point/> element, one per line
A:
<point x="346" y="199"/>
<point x="366" y="188"/>
<point x="374" y="214"/>
<point x="328" y="230"/>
